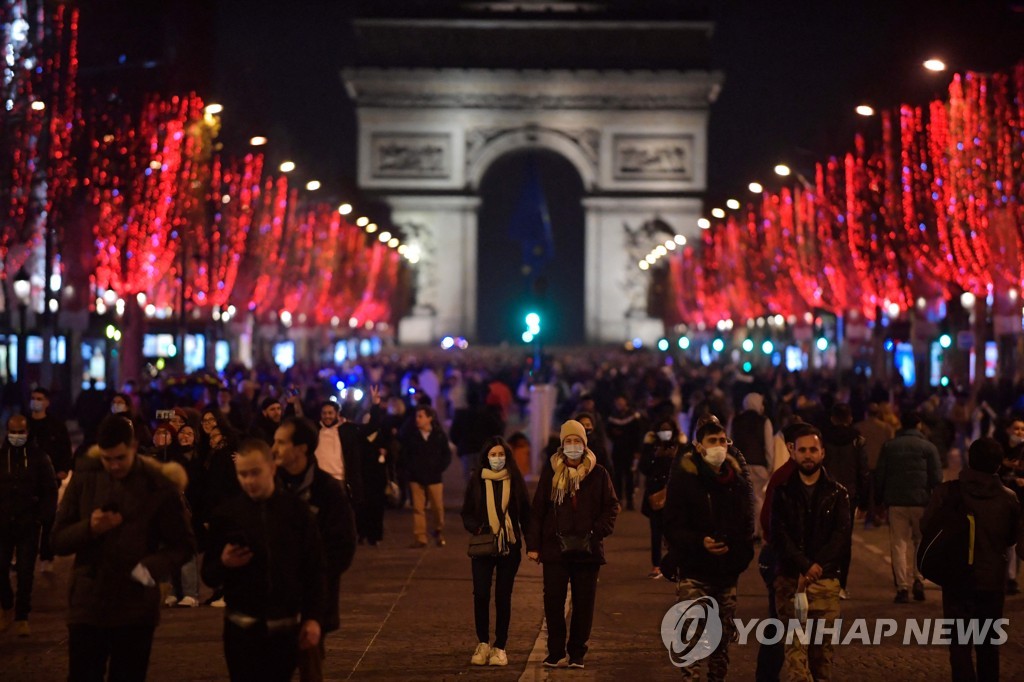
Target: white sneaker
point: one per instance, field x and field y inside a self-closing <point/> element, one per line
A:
<point x="844" y="595"/>
<point x="188" y="601"/>
<point x="171" y="600"/>
<point x="481" y="653"/>
<point x="218" y="603"/>
<point x="46" y="566"/>
<point x="497" y="657"/>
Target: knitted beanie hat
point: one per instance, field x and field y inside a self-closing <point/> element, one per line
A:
<point x="572" y="428"/>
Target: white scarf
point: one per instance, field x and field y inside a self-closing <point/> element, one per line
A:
<point x="567" y="479"/>
<point x="505" y="532"/>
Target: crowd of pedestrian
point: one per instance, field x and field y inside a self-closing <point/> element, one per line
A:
<point x="264" y="484"/>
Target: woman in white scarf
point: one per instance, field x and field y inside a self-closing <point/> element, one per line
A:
<point x="497" y="506"/>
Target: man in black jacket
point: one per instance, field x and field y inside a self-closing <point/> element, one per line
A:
<point x="810" y="534"/>
<point x="28" y="502"/>
<point x="709" y="525"/>
<point x="997" y="520"/>
<point x="265" y="550"/>
<point x="51" y="436"/>
<point x="298" y="473"/>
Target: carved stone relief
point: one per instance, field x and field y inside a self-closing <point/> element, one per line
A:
<point x="588" y="140"/>
<point x="652" y="157"/>
<point x="410" y="155"/>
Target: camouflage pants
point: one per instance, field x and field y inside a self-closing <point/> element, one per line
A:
<point x="725" y="595"/>
<point x="810" y="662"/>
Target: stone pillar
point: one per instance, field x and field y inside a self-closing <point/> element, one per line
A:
<point x="443" y="229"/>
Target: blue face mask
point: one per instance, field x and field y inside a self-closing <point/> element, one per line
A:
<point x="496" y="463"/>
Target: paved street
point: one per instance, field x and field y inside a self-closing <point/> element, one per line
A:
<point x="407" y="615"/>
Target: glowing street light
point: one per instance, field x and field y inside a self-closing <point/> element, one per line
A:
<point x="732" y="204"/>
<point x="703" y="223"/>
<point x="287" y="167"/>
<point x="782" y="169"/>
<point x="935" y="65"/>
<point x="345" y="209"/>
<point x="313" y="185"/>
<point x="213" y="109"/>
<point x="38" y="105"/>
<point x="718" y="213"/>
<point x="257" y="140"/>
<point x="865" y="110"/>
<point x="362" y="221"/>
<point x="755" y="187"/>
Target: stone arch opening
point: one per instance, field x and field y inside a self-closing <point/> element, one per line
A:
<point x="511" y="283"/>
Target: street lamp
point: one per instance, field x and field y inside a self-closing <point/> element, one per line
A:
<point x="782" y="169"/>
<point x="865" y="110"/>
<point x="22" y="292"/>
<point x="935" y="65"/>
<point x="755" y="187"/>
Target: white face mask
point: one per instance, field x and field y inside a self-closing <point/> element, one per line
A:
<point x="1015" y="441"/>
<point x="497" y="463"/>
<point x="664" y="435"/>
<point x="715" y="455"/>
<point x="35" y="405"/>
<point x="118" y="408"/>
<point x="17" y="439"/>
<point x="573" y="452"/>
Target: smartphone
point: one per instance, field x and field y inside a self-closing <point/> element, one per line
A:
<point x="164" y="415"/>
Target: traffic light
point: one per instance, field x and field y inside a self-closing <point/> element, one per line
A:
<point x="532" y="327"/>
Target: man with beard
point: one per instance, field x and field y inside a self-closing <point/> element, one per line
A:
<point x="810" y="534"/>
<point x="339" y="447"/>
<point x="267" y="421"/>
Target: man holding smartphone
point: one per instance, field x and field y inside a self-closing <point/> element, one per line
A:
<point x="709" y="527"/>
<point x="265" y="549"/>
<point x="123" y="518"/>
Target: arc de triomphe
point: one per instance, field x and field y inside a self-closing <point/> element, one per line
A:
<point x="638" y="140"/>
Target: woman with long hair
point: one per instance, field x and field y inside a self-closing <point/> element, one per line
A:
<point x="497" y="506"/>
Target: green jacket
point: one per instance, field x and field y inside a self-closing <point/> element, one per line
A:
<point x="907" y="471"/>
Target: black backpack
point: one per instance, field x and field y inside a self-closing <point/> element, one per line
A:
<point x="946" y="553"/>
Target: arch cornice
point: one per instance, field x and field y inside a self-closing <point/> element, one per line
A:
<point x="579" y="147"/>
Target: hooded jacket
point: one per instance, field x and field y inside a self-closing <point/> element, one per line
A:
<point x="997" y="517"/>
<point x="155" y="532"/>
<point x="702" y="504"/>
<point x="28" y="488"/>
<point x="656" y="460"/>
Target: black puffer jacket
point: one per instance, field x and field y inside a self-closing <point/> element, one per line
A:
<point x="28" y="488"/>
<point x="997" y="517"/>
<point x="846" y="460"/>
<point x="702" y="504"/>
<point x="426" y="458"/>
<point x="817" y="533"/>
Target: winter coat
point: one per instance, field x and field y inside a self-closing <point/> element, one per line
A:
<point x="846" y="460"/>
<point x="996" y="521"/>
<point x="155" y="532"/>
<point x="51" y="435"/>
<point x="286" y="576"/>
<point x="656" y="465"/>
<point x="426" y="459"/>
<point x="336" y="522"/>
<point x="474" y="507"/>
<point x="803" y="534"/>
<point x="593" y="509"/>
<point x="702" y="504"/>
<point x="907" y="471"/>
<point x="625" y="433"/>
<point x="28" y="488"/>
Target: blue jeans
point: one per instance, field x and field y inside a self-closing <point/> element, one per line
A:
<point x="24" y="540"/>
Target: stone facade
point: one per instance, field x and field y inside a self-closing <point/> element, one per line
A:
<point x="638" y="140"/>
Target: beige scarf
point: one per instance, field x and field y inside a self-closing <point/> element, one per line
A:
<point x="567" y="478"/>
<point x="506" y="533"/>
